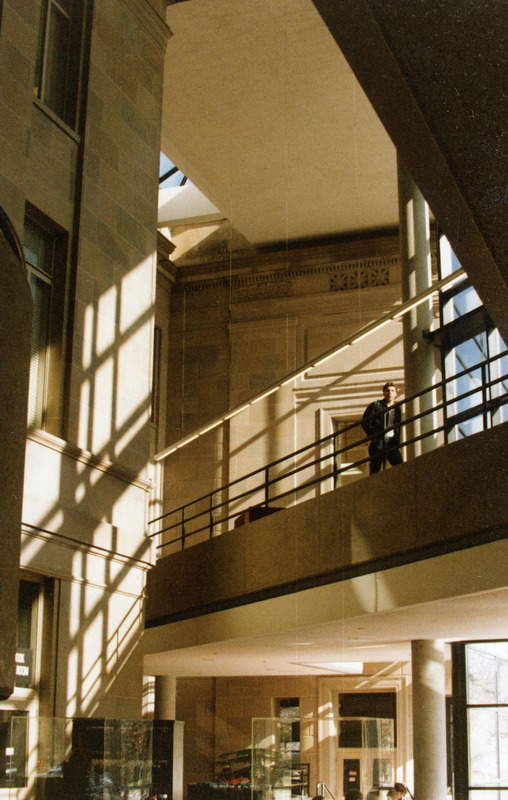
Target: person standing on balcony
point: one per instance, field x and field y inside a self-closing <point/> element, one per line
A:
<point x="381" y="422"/>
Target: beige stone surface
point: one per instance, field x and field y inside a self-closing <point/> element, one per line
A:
<point x="86" y="494"/>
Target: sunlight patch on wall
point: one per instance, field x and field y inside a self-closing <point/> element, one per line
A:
<point x="88" y="326"/>
<point x="31" y="550"/>
<point x="103" y="427"/>
<point x="137" y="295"/>
<point x="105" y="321"/>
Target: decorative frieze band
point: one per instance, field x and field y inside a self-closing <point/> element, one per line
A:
<point x="347" y="276"/>
<point x="279" y="283"/>
<point x="261" y="291"/>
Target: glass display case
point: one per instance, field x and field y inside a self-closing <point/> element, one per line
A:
<point x="92" y="759"/>
<point x="337" y="755"/>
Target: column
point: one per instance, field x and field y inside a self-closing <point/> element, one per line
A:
<point x="419" y="354"/>
<point x="165" y="697"/>
<point x="429" y="720"/>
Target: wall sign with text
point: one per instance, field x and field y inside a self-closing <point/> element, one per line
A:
<point x="24" y="667"/>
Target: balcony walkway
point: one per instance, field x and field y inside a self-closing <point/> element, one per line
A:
<point x="447" y="500"/>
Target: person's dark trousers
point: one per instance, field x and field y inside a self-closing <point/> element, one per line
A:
<point x="378" y="453"/>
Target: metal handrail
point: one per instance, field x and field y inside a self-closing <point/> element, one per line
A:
<point x="213" y="506"/>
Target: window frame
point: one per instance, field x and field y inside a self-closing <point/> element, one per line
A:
<point x="51" y="391"/>
<point x="454" y="331"/>
<point x="70" y="88"/>
<point x="464" y="787"/>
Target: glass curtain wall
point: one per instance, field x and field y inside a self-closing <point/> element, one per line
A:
<point x="481" y="720"/>
<point x="468" y="340"/>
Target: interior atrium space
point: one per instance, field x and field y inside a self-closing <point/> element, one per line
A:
<point x="254" y="385"/>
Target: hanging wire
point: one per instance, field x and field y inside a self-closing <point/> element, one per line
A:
<point x="182" y="383"/>
<point x="357" y="213"/>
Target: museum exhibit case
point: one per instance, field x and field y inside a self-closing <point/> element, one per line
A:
<point x="323" y="757"/>
<point x="98" y="759"/>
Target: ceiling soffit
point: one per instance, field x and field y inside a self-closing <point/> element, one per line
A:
<point x="263" y="114"/>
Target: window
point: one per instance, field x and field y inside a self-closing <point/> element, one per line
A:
<point x="473" y="351"/>
<point x="57" y="78"/>
<point x="289" y="742"/>
<point x="45" y="251"/>
<point x="480" y="699"/>
<point x="377" y="705"/>
<point x="38" y="247"/>
<point x="289" y="708"/>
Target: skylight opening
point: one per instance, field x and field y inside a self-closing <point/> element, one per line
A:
<point x="169" y="174"/>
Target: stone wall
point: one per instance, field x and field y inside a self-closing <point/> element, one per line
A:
<point x="237" y="328"/>
<point x="87" y="475"/>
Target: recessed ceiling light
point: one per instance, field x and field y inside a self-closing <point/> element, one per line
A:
<point x="348" y="667"/>
<point x="298" y="644"/>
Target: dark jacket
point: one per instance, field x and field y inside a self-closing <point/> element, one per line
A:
<point x="375" y="420"/>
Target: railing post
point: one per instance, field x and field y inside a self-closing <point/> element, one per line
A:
<point x="210" y="512"/>
<point x="267" y="487"/>
<point x="484" y="396"/>
<point x="334" y="456"/>
<point x="183" y="528"/>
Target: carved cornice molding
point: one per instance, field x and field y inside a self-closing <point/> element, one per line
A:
<point x="151" y="21"/>
<point x="344" y="275"/>
<point x="88" y="459"/>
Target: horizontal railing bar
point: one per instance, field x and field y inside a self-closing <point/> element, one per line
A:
<point x="439" y="385"/>
<point x="309" y="484"/>
<point x="320" y="478"/>
<point x="220" y="521"/>
<point x="218" y="505"/>
<point x="266" y="483"/>
<point x="308" y="465"/>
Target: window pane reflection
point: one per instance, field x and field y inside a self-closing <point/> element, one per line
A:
<point x="487" y="673"/>
<point x="41" y="293"/>
<point x="469" y="338"/>
<point x="467" y="428"/>
<point x="486" y="794"/>
<point x="481" y="677"/>
<point x="460" y="304"/>
<point x="487" y="695"/>
<point x="488" y="735"/>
